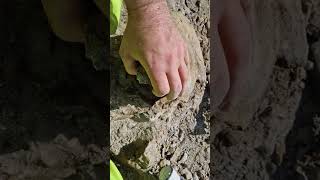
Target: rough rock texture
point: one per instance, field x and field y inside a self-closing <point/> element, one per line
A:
<point x="315" y="51"/>
<point x="303" y="149"/>
<point x="179" y="134"/>
<point x="248" y="142"/>
<point x="148" y="135"/>
<point x="68" y="97"/>
<point x="198" y="13"/>
<point x="59" y="159"/>
<point x="316" y="54"/>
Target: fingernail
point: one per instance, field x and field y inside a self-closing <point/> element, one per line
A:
<point x="156" y="94"/>
<point x="172" y="96"/>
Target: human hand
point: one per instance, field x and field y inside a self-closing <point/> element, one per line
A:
<point x="151" y="38"/>
<point x="232" y="53"/>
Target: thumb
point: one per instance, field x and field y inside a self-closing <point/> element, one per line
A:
<point x="129" y="64"/>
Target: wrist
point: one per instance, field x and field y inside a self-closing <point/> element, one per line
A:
<point x="153" y="11"/>
<point x="134" y="5"/>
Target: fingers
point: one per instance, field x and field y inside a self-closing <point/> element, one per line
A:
<point x="169" y="81"/>
<point x="168" y="73"/>
<point x="219" y="79"/>
<point x="183" y="72"/>
<point x="164" y="83"/>
<point x="175" y="84"/>
<point x="159" y="83"/>
<point x="172" y="80"/>
<point x="129" y="64"/>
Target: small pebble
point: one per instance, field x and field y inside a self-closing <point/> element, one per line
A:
<point x="309" y="65"/>
<point x="164" y="163"/>
<point x="302" y="85"/>
<point x="183" y="158"/>
<point x="195" y="177"/>
<point x="187" y="173"/>
<point x="181" y="136"/>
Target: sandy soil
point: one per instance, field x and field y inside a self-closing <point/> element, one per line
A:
<point x="303" y="142"/>
<point x="53" y="102"/>
<point x="251" y="140"/>
<point x="165" y="133"/>
<point x="52" y="121"/>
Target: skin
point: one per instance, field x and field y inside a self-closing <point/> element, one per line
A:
<point x="233" y="54"/>
<point x="150" y="39"/>
<point x="67" y="18"/>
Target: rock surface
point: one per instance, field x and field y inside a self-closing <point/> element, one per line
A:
<point x="68" y="97"/>
<point x="301" y="160"/>
<point x="248" y="141"/>
<point x="60" y="159"/>
<point x="145" y="134"/>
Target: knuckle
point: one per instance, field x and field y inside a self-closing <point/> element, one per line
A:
<point x="176" y="87"/>
<point x="153" y="65"/>
<point x="184" y="80"/>
<point x="149" y="60"/>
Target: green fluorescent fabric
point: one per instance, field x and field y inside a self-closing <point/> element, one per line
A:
<point x="115" y="11"/>
<point x="114" y="172"/>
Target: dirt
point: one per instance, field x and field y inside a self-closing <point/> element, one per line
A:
<point x="303" y="150"/>
<point x="137" y="119"/>
<point x="52" y="101"/>
<point x="273" y="132"/>
<point x="301" y="160"/>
